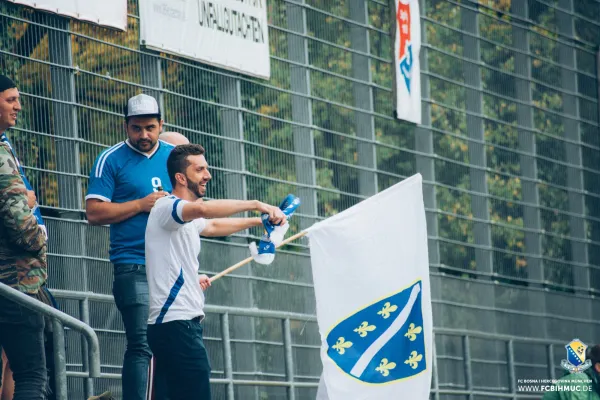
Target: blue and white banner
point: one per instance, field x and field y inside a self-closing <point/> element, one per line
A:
<point x="407" y="70"/>
<point x="371" y="276"/>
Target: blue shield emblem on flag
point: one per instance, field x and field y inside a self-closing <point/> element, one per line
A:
<point x="383" y="342"/>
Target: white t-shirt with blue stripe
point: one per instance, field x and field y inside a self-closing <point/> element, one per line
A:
<point x="172" y="249"/>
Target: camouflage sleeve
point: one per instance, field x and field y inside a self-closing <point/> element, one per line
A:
<point x="15" y="215"/>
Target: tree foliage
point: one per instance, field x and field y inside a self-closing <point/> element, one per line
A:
<point x="110" y="67"/>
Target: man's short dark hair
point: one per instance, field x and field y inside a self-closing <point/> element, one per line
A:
<point x="157" y="116"/>
<point x="178" y="162"/>
<point x="593" y="354"/>
<point x="6" y="83"/>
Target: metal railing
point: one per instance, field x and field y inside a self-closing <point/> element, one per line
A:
<point x="512" y="389"/>
<point x="60" y="319"/>
<point x="224" y="313"/>
<point x="507" y="366"/>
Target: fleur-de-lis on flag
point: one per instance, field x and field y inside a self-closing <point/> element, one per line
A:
<point x="413" y="331"/>
<point x="385" y="367"/>
<point x="364" y="328"/>
<point x="342" y="345"/>
<point x="414" y="359"/>
<point x="388" y="308"/>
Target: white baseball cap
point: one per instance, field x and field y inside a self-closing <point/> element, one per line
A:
<point x="142" y="104"/>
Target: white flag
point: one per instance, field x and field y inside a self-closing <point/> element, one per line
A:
<point x="371" y="275"/>
<point x="407" y="69"/>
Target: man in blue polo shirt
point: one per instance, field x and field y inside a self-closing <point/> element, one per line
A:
<point x="125" y="182"/>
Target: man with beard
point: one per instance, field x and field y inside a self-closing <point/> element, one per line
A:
<point x="176" y="290"/>
<point x="125" y="182"/>
<point x="23" y="261"/>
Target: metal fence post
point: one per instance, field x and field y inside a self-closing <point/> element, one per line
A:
<point x="551" y="371"/>
<point x="84" y="313"/>
<point x="65" y="125"/>
<point x="227" y="361"/>
<point x="363" y="98"/>
<point x="232" y="126"/>
<point x="289" y="358"/>
<point x="598" y="80"/>
<point x="60" y="360"/>
<point x="425" y="160"/>
<point x="151" y="71"/>
<point x="477" y="147"/>
<point x="480" y="206"/>
<point x="527" y="144"/>
<point x="572" y="132"/>
<point x="234" y="159"/>
<point x="302" y="115"/>
<point x="436" y="375"/>
<point x="302" y="109"/>
<point x="512" y="379"/>
<point x="467" y="365"/>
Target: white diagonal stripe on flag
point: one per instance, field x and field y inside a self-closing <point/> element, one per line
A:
<point x="385" y="337"/>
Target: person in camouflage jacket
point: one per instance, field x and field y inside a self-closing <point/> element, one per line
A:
<point x="22" y="241"/>
<point x="22" y="264"/>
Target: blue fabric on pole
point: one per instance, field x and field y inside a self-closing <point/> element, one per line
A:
<point x="265" y="252"/>
<point x="277" y="232"/>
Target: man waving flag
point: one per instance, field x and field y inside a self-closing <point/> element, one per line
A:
<point x="371" y="275"/>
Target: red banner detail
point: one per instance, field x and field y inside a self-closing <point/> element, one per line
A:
<point x="403" y="26"/>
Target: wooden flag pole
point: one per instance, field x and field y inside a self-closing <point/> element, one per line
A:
<point x="247" y="260"/>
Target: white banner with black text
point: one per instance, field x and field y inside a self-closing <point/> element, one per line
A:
<point x="110" y="13"/>
<point x="231" y="34"/>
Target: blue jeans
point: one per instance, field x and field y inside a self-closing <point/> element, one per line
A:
<point x="130" y="289"/>
<point x="22" y="337"/>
